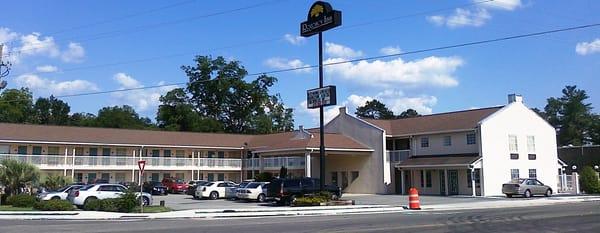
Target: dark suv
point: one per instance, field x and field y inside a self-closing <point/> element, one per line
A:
<point x="285" y="191"/>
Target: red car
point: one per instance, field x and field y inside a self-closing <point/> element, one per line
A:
<point x="175" y="185"/>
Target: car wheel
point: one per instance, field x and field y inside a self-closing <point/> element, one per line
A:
<point x="145" y="201"/>
<point x="334" y="197"/>
<point x="214" y="195"/>
<point x="509" y="195"/>
<point x="87" y="200"/>
<point x="55" y="198"/>
<point x="548" y="193"/>
<point x="261" y="198"/>
<point x="527" y="193"/>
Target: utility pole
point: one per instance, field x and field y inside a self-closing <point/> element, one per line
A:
<point x="4" y="68"/>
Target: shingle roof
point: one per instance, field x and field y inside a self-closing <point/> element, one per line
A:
<point x="445" y="160"/>
<point x="440" y="122"/>
<point x="69" y="134"/>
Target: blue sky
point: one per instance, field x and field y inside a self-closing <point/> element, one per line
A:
<point x="68" y="47"/>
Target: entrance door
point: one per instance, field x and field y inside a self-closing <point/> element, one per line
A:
<point x="91" y="178"/>
<point x="452" y="182"/>
<point x="105" y="176"/>
<point x="398" y="181"/>
<point x="442" y="182"/>
<point x="407" y="180"/>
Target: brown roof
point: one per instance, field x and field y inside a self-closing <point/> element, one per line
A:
<point x="438" y="160"/>
<point x="289" y="140"/>
<point x="69" y="134"/>
<point x="45" y="133"/>
<point x="440" y="122"/>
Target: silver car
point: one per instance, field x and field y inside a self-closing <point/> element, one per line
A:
<point x="526" y="187"/>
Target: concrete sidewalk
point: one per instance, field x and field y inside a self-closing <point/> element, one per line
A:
<point x="475" y="203"/>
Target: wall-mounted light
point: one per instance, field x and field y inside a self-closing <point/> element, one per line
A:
<point x="574" y="167"/>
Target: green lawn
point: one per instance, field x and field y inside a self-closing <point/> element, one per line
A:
<point x="153" y="209"/>
<point x="10" y="208"/>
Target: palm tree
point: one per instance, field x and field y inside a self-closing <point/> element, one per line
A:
<point x="53" y="182"/>
<point x="16" y="174"/>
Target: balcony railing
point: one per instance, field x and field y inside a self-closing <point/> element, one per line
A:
<point x="274" y="163"/>
<point x="397" y="155"/>
<point x="61" y="161"/>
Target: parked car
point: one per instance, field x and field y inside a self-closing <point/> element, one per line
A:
<point x="175" y="185"/>
<point x="155" y="188"/>
<point x="526" y="187"/>
<point x="213" y="190"/>
<point x="102" y="191"/>
<point x="253" y="191"/>
<point x="192" y="184"/>
<point x="60" y="194"/>
<point x="285" y="191"/>
<point x="230" y="192"/>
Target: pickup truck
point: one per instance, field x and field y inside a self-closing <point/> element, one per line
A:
<point x="285" y="191"/>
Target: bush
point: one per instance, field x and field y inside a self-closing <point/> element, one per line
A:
<point x="127" y="202"/>
<point x="95" y="205"/>
<point x="54" y="205"/>
<point x="21" y="200"/>
<point x="124" y="204"/>
<point x="309" y="201"/>
<point x="588" y="179"/>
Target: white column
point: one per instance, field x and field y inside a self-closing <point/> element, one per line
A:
<point x="65" y="163"/>
<point x="446" y="182"/>
<point x="133" y="169"/>
<point x="576" y="182"/>
<point x="73" y="165"/>
<point x="473" y="182"/>
<point x="307" y="165"/>
<point x="261" y="163"/>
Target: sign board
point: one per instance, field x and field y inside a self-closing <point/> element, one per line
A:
<point x="318" y="97"/>
<point x="321" y="17"/>
<point x="142" y="165"/>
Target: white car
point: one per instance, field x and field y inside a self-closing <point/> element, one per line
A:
<point x="60" y="194"/>
<point x="253" y="191"/>
<point x="102" y="191"/>
<point x="213" y="190"/>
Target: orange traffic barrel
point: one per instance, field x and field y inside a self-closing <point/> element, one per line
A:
<point x="413" y="199"/>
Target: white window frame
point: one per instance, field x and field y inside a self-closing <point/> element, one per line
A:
<point x="424" y="141"/>
<point x="471" y="139"/>
<point x="447" y="140"/>
<point x="531" y="144"/>
<point x="513" y="144"/>
<point x="534" y="173"/>
<point x="512" y="173"/>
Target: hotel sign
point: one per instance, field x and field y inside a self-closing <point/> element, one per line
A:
<point x="321" y="97"/>
<point x="321" y="17"/>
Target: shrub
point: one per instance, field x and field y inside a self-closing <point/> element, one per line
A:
<point x="127" y="202"/>
<point x="21" y="200"/>
<point x="309" y="201"/>
<point x="54" y="205"/>
<point x="95" y="205"/>
<point x="110" y="205"/>
<point x="325" y="195"/>
<point x="588" y="179"/>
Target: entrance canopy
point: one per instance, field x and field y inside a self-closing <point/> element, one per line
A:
<point x="441" y="161"/>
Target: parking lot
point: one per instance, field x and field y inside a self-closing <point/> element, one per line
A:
<point x="186" y="202"/>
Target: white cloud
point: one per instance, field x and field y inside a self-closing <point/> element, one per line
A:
<point x="46" y="69"/>
<point x="33" y="44"/>
<point x="283" y="63"/>
<point x="340" y="51"/>
<point x="461" y="18"/>
<point x="142" y="100"/>
<point x="43" y="86"/>
<point x="389" y="50"/>
<point x="429" y="71"/>
<point x="328" y="114"/>
<point x="74" y="53"/>
<point x="6" y="35"/>
<point x="295" y="40"/>
<point x="585" y="48"/>
<point x="507" y="5"/>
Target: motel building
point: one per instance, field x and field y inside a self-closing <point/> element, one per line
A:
<point x="470" y="152"/>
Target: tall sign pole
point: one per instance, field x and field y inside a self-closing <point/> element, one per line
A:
<point x="321" y="17"/>
<point x="3" y="71"/>
<point x="141" y="166"/>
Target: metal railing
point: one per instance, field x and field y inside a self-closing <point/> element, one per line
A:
<point x="271" y="163"/>
<point x="398" y="155"/>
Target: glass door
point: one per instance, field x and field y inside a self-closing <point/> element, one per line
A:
<point x="452" y="182"/>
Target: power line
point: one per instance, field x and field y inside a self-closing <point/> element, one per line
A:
<point x="506" y="38"/>
<point x="260" y="41"/>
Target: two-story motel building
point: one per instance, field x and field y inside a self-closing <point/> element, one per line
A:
<point x="440" y="154"/>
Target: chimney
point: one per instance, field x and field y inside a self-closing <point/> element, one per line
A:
<point x="515" y="98"/>
<point x="343" y="110"/>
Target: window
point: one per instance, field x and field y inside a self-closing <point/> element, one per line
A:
<point x="531" y="144"/>
<point x="447" y="140"/>
<point x="179" y="175"/>
<point x="424" y="142"/>
<point x="221" y="176"/>
<point x="105" y="151"/>
<point x="514" y="156"/>
<point x="471" y="139"/>
<point x="121" y="152"/>
<point x="179" y="153"/>
<point x="211" y="177"/>
<point x="428" y="178"/>
<point x="167" y="153"/>
<point x="37" y="150"/>
<point x="514" y="174"/>
<point x="513" y="146"/>
<point x="422" y="179"/>
<point x="531" y="156"/>
<point x="22" y="150"/>
<point x="354" y="175"/>
<point x="389" y="145"/>
<point x="221" y="154"/>
<point x="53" y="150"/>
<point x="532" y="173"/>
<point x="155" y="153"/>
<point x="93" y="151"/>
<point x="211" y="154"/>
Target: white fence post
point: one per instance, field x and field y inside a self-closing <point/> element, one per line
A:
<point x="576" y="183"/>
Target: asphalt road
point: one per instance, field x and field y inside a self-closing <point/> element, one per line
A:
<point x="580" y="217"/>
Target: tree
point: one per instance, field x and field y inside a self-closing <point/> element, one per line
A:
<point x="177" y="114"/>
<point x="217" y="92"/>
<point x="83" y="119"/>
<point x="15" y="174"/>
<point x="54" y="183"/>
<point x="121" y="117"/>
<point x="374" y="110"/>
<point x="571" y="116"/>
<point x="589" y="180"/>
<point x="51" y="111"/>
<point x="594" y="131"/>
<point x="16" y="106"/>
<point x="409" y="113"/>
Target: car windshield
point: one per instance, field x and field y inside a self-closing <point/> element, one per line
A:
<point x="253" y="185"/>
<point x="84" y="188"/>
<point x="201" y="183"/>
<point x="209" y="184"/>
<point x="63" y="189"/>
<point x="243" y="184"/>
